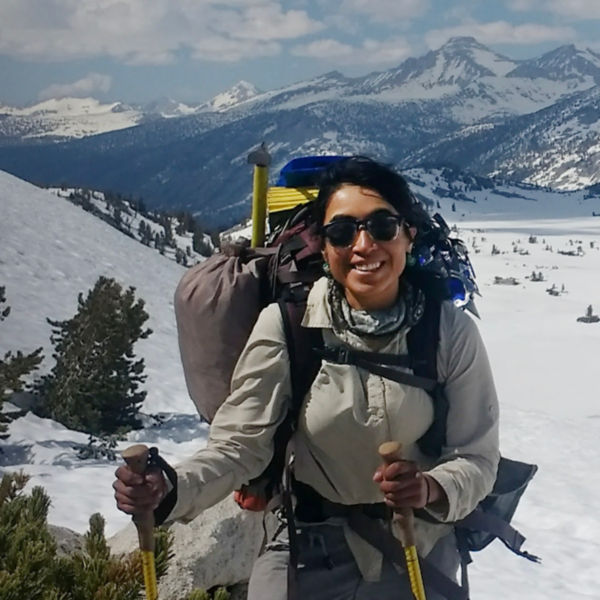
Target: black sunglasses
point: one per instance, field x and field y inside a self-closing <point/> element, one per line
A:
<point x="381" y="226"/>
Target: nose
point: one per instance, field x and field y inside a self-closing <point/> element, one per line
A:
<point x="363" y="241"/>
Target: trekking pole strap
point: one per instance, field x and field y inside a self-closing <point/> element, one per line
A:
<point x="168" y="502"/>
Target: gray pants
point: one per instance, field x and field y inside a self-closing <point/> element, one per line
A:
<point x="327" y="570"/>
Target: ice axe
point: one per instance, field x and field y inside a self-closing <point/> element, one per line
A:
<point x="403" y="526"/>
<point x="261" y="159"/>
<point x="136" y="458"/>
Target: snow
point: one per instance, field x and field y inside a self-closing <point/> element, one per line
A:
<point x="75" y="117"/>
<point x="240" y="92"/>
<point x="495" y="63"/>
<point x="545" y="364"/>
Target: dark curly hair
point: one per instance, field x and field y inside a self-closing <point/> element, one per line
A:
<point x="368" y="173"/>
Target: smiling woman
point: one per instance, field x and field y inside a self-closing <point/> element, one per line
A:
<point x="366" y="305"/>
<point x="369" y="261"/>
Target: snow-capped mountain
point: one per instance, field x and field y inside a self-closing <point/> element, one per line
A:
<point x="167" y="108"/>
<point x="464" y="79"/>
<point x="562" y="64"/>
<point x="235" y="95"/>
<point x="536" y="121"/>
<point x="454" y="65"/>
<point x="69" y="118"/>
<point x="66" y="118"/>
<point x="558" y="146"/>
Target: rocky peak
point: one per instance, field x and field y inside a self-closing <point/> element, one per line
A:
<point x="562" y="64"/>
<point x="240" y="92"/>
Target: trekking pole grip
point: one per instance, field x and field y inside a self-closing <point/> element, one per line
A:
<point x="136" y="458"/>
<point x="391" y="452"/>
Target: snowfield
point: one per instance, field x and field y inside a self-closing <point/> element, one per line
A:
<point x="545" y="365"/>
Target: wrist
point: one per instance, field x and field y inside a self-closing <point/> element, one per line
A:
<point x="435" y="492"/>
<point x="427" y="489"/>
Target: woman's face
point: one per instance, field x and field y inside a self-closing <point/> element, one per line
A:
<point x="368" y="270"/>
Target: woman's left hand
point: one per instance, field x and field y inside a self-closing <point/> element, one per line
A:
<point x="405" y="486"/>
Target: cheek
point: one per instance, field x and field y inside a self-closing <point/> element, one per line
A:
<point x="338" y="261"/>
<point x="398" y="257"/>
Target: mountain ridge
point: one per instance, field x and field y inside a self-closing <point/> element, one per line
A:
<point x="461" y="103"/>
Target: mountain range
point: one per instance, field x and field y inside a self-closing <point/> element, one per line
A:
<point x="535" y="121"/>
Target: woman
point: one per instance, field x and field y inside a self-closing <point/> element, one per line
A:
<point x="369" y="220"/>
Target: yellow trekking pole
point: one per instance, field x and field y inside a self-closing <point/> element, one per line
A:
<point x="403" y="525"/>
<point x="136" y="458"/>
<point x="261" y="159"/>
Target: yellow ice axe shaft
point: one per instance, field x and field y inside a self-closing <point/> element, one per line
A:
<point x="136" y="458"/>
<point x="261" y="159"/>
<point x="259" y="204"/>
<point x="403" y="525"/>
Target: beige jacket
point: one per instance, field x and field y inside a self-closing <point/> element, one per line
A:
<point x="347" y="414"/>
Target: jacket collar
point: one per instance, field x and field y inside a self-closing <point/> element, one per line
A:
<point x="318" y="311"/>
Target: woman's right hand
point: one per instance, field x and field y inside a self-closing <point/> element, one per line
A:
<point x="136" y="493"/>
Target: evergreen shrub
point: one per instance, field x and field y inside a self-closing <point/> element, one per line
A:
<point x="30" y="567"/>
<point x="94" y="385"/>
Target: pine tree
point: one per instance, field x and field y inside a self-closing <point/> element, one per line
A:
<point x="94" y="385"/>
<point x="200" y="245"/>
<point x="13" y="367"/>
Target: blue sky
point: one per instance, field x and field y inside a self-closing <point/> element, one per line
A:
<point x="189" y="50"/>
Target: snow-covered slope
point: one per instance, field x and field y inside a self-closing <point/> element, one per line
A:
<point x="81" y="117"/>
<point x="562" y="64"/>
<point x="52" y="250"/>
<point x="67" y="118"/>
<point x="239" y="93"/>
<point x="558" y="146"/>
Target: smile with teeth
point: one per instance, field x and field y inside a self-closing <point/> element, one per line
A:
<point x="368" y="266"/>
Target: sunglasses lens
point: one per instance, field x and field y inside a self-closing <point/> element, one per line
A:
<point x="382" y="227"/>
<point x="341" y="233"/>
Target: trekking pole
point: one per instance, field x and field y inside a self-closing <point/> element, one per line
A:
<point x="403" y="525"/>
<point x="136" y="458"/>
<point x="261" y="159"/>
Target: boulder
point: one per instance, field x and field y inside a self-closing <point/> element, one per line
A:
<point x="218" y="547"/>
<point x="67" y="540"/>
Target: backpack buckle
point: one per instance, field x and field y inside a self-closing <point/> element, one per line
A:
<point x="343" y="355"/>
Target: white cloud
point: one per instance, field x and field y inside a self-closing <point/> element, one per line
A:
<point x="501" y="32"/>
<point x="147" y="31"/>
<point x="93" y="82"/>
<point x="522" y="5"/>
<point x="327" y="48"/>
<point x="573" y="10"/>
<point x="266" y="22"/>
<point x="220" y="49"/>
<point x="370" y="52"/>
<point x="385" y="11"/>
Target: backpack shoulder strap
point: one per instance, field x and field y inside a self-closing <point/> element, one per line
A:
<point x="305" y="361"/>
<point x="423" y="341"/>
<point x="302" y="344"/>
